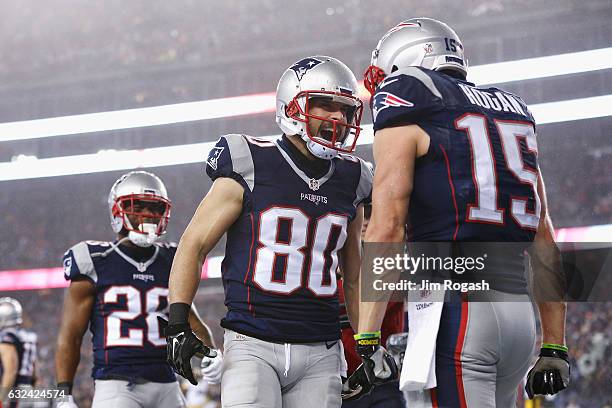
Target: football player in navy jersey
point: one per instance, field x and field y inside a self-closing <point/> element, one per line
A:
<point x="17" y="350"/>
<point x="119" y="289"/>
<point x="458" y="163"/>
<point x="292" y="212"/>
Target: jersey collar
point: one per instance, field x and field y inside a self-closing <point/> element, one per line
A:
<point x="140" y="266"/>
<point x="312" y="182"/>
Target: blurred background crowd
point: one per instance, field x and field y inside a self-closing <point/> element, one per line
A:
<point x="67" y="57"/>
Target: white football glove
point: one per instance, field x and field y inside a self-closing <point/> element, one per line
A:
<point x="67" y="402"/>
<point x="212" y="367"/>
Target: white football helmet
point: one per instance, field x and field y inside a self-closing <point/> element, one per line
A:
<point x="10" y="312"/>
<point x="143" y="197"/>
<point x="319" y="77"/>
<point x="421" y="42"/>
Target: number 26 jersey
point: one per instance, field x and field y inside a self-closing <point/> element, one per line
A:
<point x="130" y="293"/>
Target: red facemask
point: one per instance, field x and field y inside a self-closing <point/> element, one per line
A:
<point x="372" y="77"/>
<point x="344" y="133"/>
<point x="143" y="208"/>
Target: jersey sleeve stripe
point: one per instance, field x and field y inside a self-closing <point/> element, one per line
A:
<point x="83" y="260"/>
<point x="242" y="161"/>
<point x="421" y="76"/>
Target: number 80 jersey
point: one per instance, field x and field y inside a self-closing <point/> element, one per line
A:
<point x="279" y="270"/>
<point x="129" y="296"/>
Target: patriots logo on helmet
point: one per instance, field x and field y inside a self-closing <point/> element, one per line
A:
<point x="213" y="156"/>
<point x="383" y="100"/>
<point x="302" y="66"/>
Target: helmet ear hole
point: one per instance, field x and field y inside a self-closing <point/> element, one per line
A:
<point x="394" y="68"/>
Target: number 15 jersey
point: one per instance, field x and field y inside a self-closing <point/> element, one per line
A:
<point x="478" y="180"/>
<point x="279" y="270"/>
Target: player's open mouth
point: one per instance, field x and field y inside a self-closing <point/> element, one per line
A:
<point x="326" y="134"/>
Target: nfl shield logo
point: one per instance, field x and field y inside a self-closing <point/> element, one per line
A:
<point x="313" y="184"/>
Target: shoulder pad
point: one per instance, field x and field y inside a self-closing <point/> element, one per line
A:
<point x="78" y="261"/>
<point x="364" y="188"/>
<point x="406" y="96"/>
<point x="416" y="74"/>
<point x="231" y="157"/>
<point x="8" y="336"/>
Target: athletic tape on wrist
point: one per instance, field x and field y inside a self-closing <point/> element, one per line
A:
<point x="552" y="346"/>
<point x="367" y="335"/>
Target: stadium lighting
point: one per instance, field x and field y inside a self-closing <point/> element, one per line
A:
<point x="141" y="117"/>
<point x="503" y="72"/>
<point x="541" y="67"/>
<point x="50" y="278"/>
<point x="111" y="160"/>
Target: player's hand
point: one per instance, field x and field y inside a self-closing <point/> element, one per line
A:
<point x="378" y="367"/>
<point x="551" y="373"/>
<point x="181" y="345"/>
<point x="67" y="402"/>
<point x="212" y="368"/>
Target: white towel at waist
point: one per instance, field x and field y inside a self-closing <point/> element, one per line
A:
<point x="424" y="311"/>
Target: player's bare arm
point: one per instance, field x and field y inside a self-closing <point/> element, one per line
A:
<point x="551" y="373"/>
<point x="350" y="256"/>
<point x="9" y="363"/>
<point x="393" y="180"/>
<point x="548" y="265"/>
<point x="79" y="300"/>
<point x="200" y="328"/>
<point x="215" y="214"/>
<point x="395" y="150"/>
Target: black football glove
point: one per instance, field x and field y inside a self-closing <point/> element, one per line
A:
<point x="181" y="345"/>
<point x="378" y="367"/>
<point x="551" y="373"/>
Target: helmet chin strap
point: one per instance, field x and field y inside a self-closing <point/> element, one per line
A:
<point x="320" y="151"/>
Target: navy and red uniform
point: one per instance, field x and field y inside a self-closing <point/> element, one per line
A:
<point x="279" y="271"/>
<point x="386" y="395"/>
<point x="131" y="292"/>
<point x="282" y="252"/>
<point x="477" y="183"/>
<point x="24" y="342"/>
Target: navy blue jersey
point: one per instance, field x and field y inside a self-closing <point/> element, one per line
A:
<point x="282" y="253"/>
<point x="130" y="295"/>
<point x="25" y="345"/>
<point x="478" y="181"/>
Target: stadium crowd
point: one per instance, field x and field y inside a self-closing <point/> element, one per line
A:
<point x="113" y="35"/>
